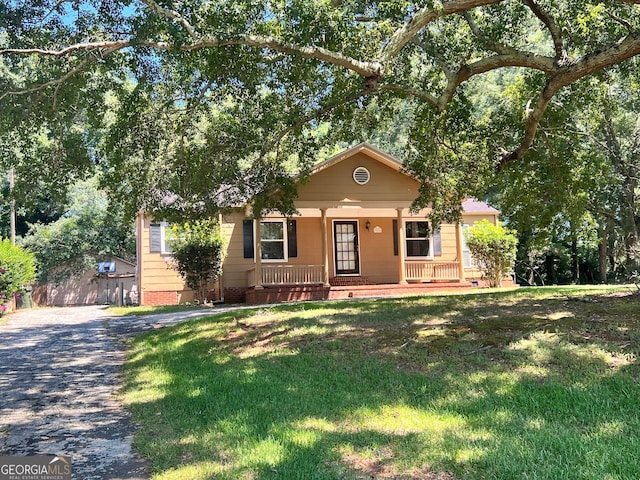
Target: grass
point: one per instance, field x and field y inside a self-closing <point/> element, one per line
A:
<point x="530" y="384"/>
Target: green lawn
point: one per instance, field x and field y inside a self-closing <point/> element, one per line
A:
<point x="528" y="384"/>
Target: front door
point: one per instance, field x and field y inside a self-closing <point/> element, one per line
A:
<point x="345" y="237"/>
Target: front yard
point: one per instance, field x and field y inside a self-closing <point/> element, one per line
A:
<point x="534" y="383"/>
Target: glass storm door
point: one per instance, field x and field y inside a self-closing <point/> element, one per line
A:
<point x="346" y="247"/>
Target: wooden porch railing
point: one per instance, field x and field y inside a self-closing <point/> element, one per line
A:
<point x="287" y="275"/>
<point x="425" y="271"/>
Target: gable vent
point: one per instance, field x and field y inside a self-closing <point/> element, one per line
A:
<point x="361" y="176"/>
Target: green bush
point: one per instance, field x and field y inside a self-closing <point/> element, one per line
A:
<point x="198" y="252"/>
<point x="493" y="249"/>
<point x="17" y="271"/>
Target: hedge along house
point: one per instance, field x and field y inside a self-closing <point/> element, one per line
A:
<point x="353" y="235"/>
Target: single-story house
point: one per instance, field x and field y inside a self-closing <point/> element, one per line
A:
<point x="353" y="235"/>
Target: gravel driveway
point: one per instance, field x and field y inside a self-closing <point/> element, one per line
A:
<point x="59" y="374"/>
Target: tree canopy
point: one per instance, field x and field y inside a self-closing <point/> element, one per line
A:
<point x="17" y="271"/>
<point x="197" y="105"/>
<point x="88" y="232"/>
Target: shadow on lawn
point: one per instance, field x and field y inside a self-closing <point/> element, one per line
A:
<point x="343" y="394"/>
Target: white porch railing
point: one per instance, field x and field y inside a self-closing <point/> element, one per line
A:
<point x="287" y="275"/>
<point x="431" y="271"/>
<point x="423" y="271"/>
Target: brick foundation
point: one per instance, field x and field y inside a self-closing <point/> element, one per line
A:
<point x="167" y="297"/>
<point x="317" y="292"/>
<point x="235" y="295"/>
<point x="348" y="281"/>
<point x="287" y="294"/>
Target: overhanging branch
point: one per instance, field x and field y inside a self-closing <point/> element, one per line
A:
<point x="554" y="30"/>
<point x="422" y="18"/>
<point x="613" y="55"/>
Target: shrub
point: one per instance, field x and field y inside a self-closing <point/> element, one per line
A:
<point x="17" y="271"/>
<point x="493" y="248"/>
<point x="198" y="252"/>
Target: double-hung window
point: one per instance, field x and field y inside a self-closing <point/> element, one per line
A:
<point x="160" y="238"/>
<point x="274" y="240"/>
<point x="418" y="240"/>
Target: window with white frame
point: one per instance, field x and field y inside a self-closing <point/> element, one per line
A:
<point x="160" y="238"/>
<point x="467" y="261"/>
<point x="273" y="239"/>
<point x="418" y="239"/>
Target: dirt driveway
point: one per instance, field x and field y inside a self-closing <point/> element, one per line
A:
<point x="59" y="373"/>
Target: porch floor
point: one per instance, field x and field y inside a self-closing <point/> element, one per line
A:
<point x="293" y="293"/>
<point x="395" y="289"/>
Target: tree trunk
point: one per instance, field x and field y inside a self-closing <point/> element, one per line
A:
<point x="575" y="265"/>
<point x="602" y="254"/>
<point x="549" y="266"/>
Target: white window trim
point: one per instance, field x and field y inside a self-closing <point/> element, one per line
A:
<point x="430" y="237"/>
<point x="465" y="248"/>
<point x="163" y="238"/>
<point x="285" y="242"/>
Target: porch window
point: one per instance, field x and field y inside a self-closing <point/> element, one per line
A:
<point x="273" y="240"/>
<point x="418" y="240"/>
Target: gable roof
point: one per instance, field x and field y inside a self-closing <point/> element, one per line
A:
<point x="471" y="205"/>
<point x="367" y="149"/>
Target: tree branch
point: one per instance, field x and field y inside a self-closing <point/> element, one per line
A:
<point x="427" y="97"/>
<point x="440" y="61"/>
<point x="366" y="69"/>
<point x="555" y="31"/>
<point x="621" y="21"/>
<point x="488" y="43"/>
<point x="607" y="57"/>
<point x="172" y="15"/>
<point x="422" y="18"/>
<point x="465" y="72"/>
<point x="57" y="81"/>
<point x="111" y="45"/>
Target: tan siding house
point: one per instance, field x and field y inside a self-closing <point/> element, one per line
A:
<point x="353" y="232"/>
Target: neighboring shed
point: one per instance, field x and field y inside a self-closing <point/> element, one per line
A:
<point x="90" y="287"/>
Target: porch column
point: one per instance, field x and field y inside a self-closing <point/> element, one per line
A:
<point x="459" y="252"/>
<point x="325" y="247"/>
<point x="401" y="247"/>
<point x="258" y="285"/>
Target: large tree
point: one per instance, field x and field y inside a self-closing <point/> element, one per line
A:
<point x="581" y="182"/>
<point x="216" y="101"/>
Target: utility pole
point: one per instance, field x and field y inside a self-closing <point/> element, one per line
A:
<point x="12" y="207"/>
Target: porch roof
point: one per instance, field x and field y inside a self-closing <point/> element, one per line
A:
<point x="355" y="209"/>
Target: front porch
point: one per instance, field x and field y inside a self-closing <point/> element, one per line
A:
<point x="293" y="293"/>
<point x="287" y="283"/>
